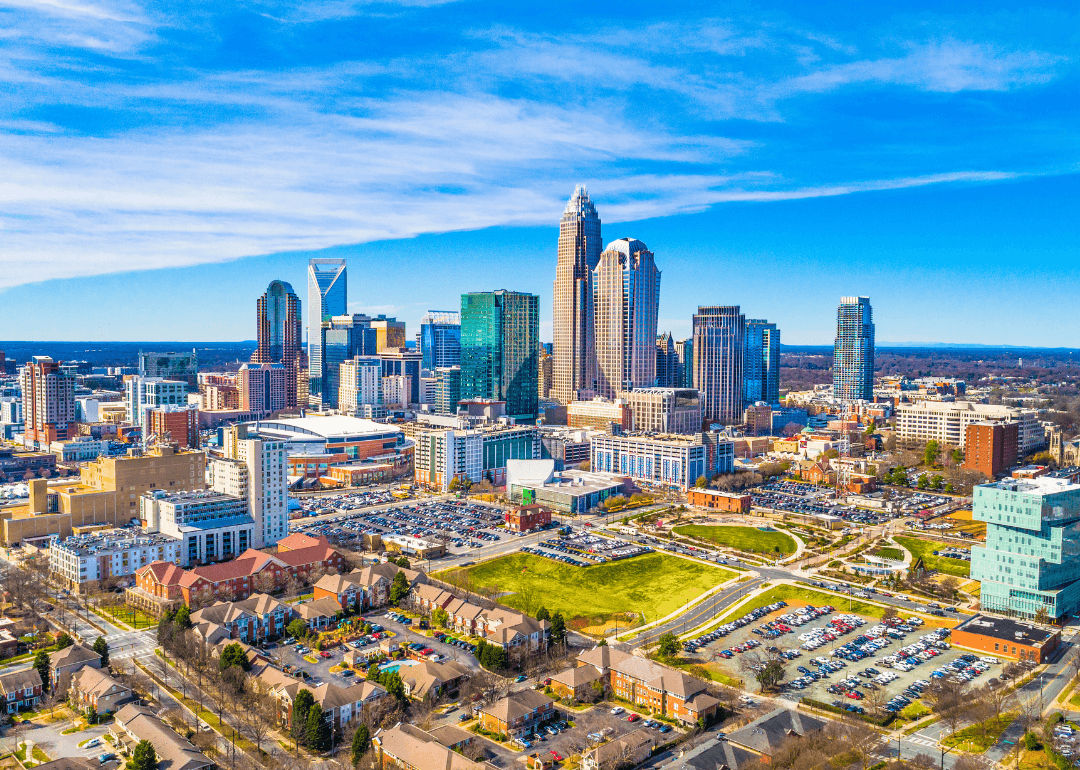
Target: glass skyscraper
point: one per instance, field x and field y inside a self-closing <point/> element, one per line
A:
<point x="853" y="352"/>
<point x="279" y="336"/>
<point x="326" y="280"/>
<point x="718" y="348"/>
<point x="440" y="339"/>
<point x="1031" y="557"/>
<point x="500" y="333"/>
<point x="341" y="338"/>
<point x="573" y="359"/>
<point x="761" y="366"/>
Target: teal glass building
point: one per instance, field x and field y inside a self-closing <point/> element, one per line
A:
<point x="1031" y="559"/>
<point x="500" y="349"/>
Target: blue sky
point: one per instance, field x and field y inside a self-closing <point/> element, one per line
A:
<point x="161" y="163"/>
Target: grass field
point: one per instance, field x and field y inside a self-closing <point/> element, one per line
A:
<point x="749" y="539"/>
<point x="925" y="549"/>
<point x="652" y="585"/>
<point x="980" y="736"/>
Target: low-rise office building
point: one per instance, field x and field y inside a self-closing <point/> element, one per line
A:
<point x="663" y="460"/>
<point x="715" y="500"/>
<point x="475" y="455"/>
<point x="1007" y="638"/>
<point x="946" y="422"/>
<point x="568" y="491"/>
<point x="599" y="413"/>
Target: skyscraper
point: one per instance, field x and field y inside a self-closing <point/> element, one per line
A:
<point x="389" y="333"/>
<point x="48" y="395"/>
<point x="761" y="364"/>
<point x="279" y="337"/>
<point x="684" y="351"/>
<point x="579" y="251"/>
<point x="500" y="332"/>
<point x="626" y="298"/>
<point x="327" y="297"/>
<point x="341" y="338"/>
<point x="360" y="391"/>
<point x="719" y="340"/>
<point x="440" y="339"/>
<point x="255" y="469"/>
<point x="853" y="353"/>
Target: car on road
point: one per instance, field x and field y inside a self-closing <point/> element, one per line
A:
<point x="520" y="678"/>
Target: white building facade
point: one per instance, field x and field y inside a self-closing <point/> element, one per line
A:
<point x="946" y="422"/>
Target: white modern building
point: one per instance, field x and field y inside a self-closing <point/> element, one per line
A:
<point x="255" y="470"/>
<point x="360" y="383"/>
<point x="145" y="393"/>
<point x="79" y="560"/>
<point x="475" y="455"/>
<point x="210" y="526"/>
<point x="79" y="449"/>
<point x="946" y="422"/>
<point x="670" y="461"/>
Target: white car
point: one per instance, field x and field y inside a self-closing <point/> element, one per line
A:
<point x="617" y="710"/>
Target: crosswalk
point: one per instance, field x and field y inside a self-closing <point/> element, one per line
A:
<point x="918" y="740"/>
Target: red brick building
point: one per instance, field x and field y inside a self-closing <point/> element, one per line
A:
<point x="715" y="500"/>
<point x="525" y="518"/>
<point x="991" y="447"/>
<point x="181" y="425"/>
<point x="1007" y="638"/>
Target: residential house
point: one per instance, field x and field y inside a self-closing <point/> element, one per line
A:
<point x="319" y="614"/>
<point x="135" y="723"/>
<point x="367" y="588"/>
<point x="518" y="714"/>
<point x="341" y="705"/>
<point x="625" y="751"/>
<point x="511" y="630"/>
<point x="407" y="746"/>
<point x="430" y="679"/>
<point x="652" y="685"/>
<point x="255" y="619"/>
<point x="20" y="690"/>
<point x="64" y="663"/>
<point x="767" y="733"/>
<point x="576" y="683"/>
<point x="93" y="688"/>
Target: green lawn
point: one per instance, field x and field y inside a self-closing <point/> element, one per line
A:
<point x="925" y="549"/>
<point x="888" y="552"/>
<point x="749" y="539"/>
<point x="654" y="584"/>
<point x="980" y="736"/>
<point x="128" y="615"/>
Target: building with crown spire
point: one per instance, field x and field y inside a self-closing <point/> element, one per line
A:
<point x="573" y="356"/>
<point x="280" y="340"/>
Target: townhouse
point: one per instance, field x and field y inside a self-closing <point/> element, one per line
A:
<point x="92" y="688"/>
<point x="646" y="683"/>
<point x="364" y="589"/>
<point x="133" y="723"/>
<point x="20" y="690"/>
<point x="253" y="620"/>
<point x="430" y="679"/>
<point x="576" y="682"/>
<point x="625" y="751"/>
<point x="511" y="630"/>
<point x="518" y="714"/>
<point x="407" y="746"/>
<point x="340" y="705"/>
<point x="319" y="614"/>
<point x="64" y="663"/>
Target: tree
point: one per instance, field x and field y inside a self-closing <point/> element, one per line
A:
<point x="399" y="588"/>
<point x="41" y="665"/>
<point x="64" y="640"/>
<point x="297" y="628"/>
<point x="957" y="456"/>
<point x="454" y="485"/>
<point x="668" y="645"/>
<point x="440" y="617"/>
<point x="543" y="614"/>
<point x="301" y="706"/>
<point x="317" y="729"/>
<point x="101" y="647"/>
<point x="391" y="682"/>
<point x="931" y="453"/>
<point x="558" y="629"/>
<point x="1042" y="616"/>
<point x="143" y="757"/>
<point x="889" y="613"/>
<point x="361" y="740"/>
<point x="183" y="618"/>
<point x="234" y="655"/>
<point x="701" y="482"/>
<point x="770" y="674"/>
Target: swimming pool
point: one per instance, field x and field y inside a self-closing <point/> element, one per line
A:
<point x="396" y="665"/>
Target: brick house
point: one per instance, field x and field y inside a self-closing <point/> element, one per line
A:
<point x="518" y="714"/>
<point x="319" y="614"/>
<point x="94" y="688"/>
<point x="575" y="682"/>
<point x="255" y="619"/>
<point x="20" y="690"/>
<point x="525" y="518"/>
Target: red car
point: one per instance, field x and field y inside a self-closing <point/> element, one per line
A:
<point x="633" y="718"/>
<point x="325" y="654"/>
<point x="556" y="755"/>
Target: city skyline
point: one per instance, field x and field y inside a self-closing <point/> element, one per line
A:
<point x="928" y="149"/>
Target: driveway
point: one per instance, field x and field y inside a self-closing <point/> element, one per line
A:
<point x="54" y="743"/>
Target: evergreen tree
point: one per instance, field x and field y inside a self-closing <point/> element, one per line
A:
<point x="360" y="741"/>
<point x="234" y="655"/>
<point x="373" y="673"/>
<point x="301" y="706"/>
<point x="183" y="618"/>
<point x="101" y="647"/>
<point x="399" y="588"/>
<point x="543" y="614"/>
<point x="317" y="730"/>
<point x="558" y="628"/>
<point x="64" y="640"/>
<point x="41" y="665"/>
<point x="143" y="757"/>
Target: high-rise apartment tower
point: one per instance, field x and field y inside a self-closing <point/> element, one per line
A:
<point x="718" y="347"/>
<point x="853" y="353"/>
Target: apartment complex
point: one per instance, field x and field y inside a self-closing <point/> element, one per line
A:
<point x="500" y="343"/>
<point x="142" y="394"/>
<point x="476" y="454"/>
<point x="48" y="402"/>
<point x="360" y="384"/>
<point x="990" y="447"/>
<point x="447" y="389"/>
<point x="664" y="460"/>
<point x="946" y="422"/>
<point x="853" y="350"/>
<point x="261" y="388"/>
<point x="210" y="526"/>
<point x="718" y="344"/>
<point x="663" y="410"/>
<point x="509" y="629"/>
<point x="82" y="561"/>
<point x="1028" y="562"/>
<point x="175" y="424"/>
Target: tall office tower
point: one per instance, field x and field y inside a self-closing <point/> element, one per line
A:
<point x="579" y="251"/>
<point x="545" y="374"/>
<point x="48" y="402"/>
<point x="626" y="299"/>
<point x="255" y="469"/>
<point x="500" y="341"/>
<point x="405" y="366"/>
<point x="440" y="339"/>
<point x="261" y="388"/>
<point x="171" y="366"/>
<point x="447" y="390"/>
<point x="144" y="393"/>
<point x="360" y="390"/>
<point x="327" y="297"/>
<point x="341" y="338"/>
<point x="389" y="333"/>
<point x="684" y="351"/>
<point x="669" y="372"/>
<point x="279" y="337"/>
<point x="853" y="353"/>
<point x="719" y="333"/>
<point x="761" y="364"/>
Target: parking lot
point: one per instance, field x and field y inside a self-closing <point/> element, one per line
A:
<point x="463" y="525"/>
<point x="841" y="658"/>
<point x="344" y="501"/>
<point x="581" y="548"/>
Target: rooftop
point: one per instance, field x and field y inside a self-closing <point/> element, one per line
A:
<point x="1008" y="630"/>
<point x="329" y="427"/>
<point x="1039" y="485"/>
<point x="110" y="540"/>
